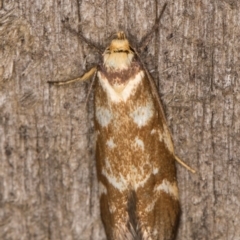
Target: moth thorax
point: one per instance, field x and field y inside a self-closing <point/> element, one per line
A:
<point x="118" y="55"/>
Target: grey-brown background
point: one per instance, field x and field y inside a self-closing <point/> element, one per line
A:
<point x="48" y="187"/>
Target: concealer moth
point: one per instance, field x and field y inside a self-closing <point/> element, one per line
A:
<point x="135" y="156"/>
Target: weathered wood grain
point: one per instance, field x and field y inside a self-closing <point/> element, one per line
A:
<point x="48" y="184"/>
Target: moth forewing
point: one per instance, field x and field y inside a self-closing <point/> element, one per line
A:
<point x="156" y="95"/>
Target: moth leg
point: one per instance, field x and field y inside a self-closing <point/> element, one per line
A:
<point x="85" y="77"/>
<point x="91" y="86"/>
<point x="146" y="39"/>
<point x="180" y="161"/>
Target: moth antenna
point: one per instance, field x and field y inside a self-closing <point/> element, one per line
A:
<point x="112" y="35"/>
<point x="156" y="95"/>
<point x="91" y="86"/>
<point x="146" y="39"/>
<point x="86" y="40"/>
<point x="85" y="77"/>
<point x="184" y="164"/>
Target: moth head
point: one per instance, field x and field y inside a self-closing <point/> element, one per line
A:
<point x="118" y="55"/>
<point x="120" y="43"/>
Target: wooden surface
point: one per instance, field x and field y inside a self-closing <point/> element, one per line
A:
<point x="48" y="186"/>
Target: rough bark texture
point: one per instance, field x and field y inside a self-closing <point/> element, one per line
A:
<point x="48" y="186"/>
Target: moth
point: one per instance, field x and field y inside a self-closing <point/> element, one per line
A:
<point x="135" y="156"/>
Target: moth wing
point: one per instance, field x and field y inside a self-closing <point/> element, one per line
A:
<point x="154" y="93"/>
<point x="161" y="111"/>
